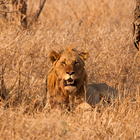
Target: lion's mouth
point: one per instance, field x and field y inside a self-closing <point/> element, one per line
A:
<point x="69" y="82"/>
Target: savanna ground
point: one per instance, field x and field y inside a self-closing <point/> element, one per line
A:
<point x="101" y="27"/>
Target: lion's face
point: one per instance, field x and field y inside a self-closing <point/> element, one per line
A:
<point x="69" y="69"/>
<point x="67" y="79"/>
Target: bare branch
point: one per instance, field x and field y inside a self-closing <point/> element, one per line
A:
<point x="39" y="11"/>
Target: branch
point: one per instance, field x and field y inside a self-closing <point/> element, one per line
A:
<point x="39" y="11"/>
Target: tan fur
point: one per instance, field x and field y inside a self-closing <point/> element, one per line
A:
<point x="69" y="64"/>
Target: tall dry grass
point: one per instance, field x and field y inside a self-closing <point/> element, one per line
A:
<point x="101" y="27"/>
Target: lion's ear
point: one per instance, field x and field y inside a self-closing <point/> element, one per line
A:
<point x="84" y="55"/>
<point x="53" y="56"/>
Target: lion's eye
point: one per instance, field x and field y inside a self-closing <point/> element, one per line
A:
<point x="63" y="63"/>
<point x="76" y="63"/>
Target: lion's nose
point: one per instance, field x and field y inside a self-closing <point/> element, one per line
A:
<point x="70" y="72"/>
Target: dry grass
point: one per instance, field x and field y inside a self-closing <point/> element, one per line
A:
<point x="102" y="27"/>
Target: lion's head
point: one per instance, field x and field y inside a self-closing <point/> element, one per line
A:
<point x="67" y="79"/>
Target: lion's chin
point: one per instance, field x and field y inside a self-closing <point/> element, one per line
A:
<point x="70" y="84"/>
<point x="70" y="88"/>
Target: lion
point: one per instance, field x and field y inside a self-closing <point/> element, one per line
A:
<point x="67" y="81"/>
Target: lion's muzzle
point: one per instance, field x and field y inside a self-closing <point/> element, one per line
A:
<point x="70" y="84"/>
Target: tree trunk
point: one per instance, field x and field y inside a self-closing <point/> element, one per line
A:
<point x="136" y="25"/>
<point x="22" y="7"/>
<point x="23" y="11"/>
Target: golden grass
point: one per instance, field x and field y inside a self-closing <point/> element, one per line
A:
<point x="101" y="27"/>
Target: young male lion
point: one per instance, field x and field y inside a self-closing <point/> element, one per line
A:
<point x="67" y="80"/>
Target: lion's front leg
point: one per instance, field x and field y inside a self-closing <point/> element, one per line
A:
<point x="70" y="101"/>
<point x="48" y="105"/>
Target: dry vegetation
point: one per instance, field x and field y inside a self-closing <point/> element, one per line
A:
<point x="102" y="27"/>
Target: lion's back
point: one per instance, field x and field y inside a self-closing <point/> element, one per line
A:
<point x="97" y="91"/>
